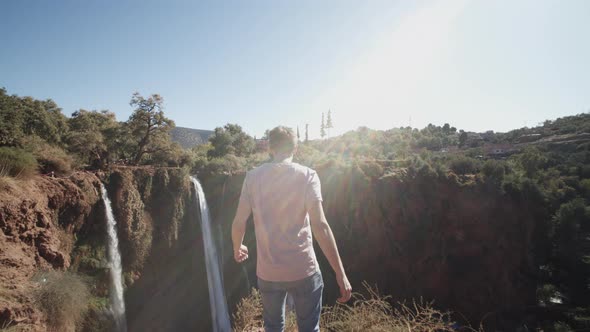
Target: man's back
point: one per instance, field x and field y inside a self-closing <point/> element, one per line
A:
<point x="283" y="196"/>
<point x="279" y="195"/>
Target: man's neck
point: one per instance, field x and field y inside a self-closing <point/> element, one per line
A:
<point x="283" y="159"/>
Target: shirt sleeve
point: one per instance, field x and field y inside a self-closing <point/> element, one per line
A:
<point x="244" y="205"/>
<point x="313" y="191"/>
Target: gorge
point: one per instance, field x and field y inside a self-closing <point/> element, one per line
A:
<point x="468" y="246"/>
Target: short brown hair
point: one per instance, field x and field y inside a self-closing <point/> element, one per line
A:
<point x="282" y="139"/>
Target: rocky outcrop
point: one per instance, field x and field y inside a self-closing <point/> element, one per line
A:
<point x="38" y="220"/>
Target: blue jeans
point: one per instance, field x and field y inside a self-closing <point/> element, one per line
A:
<point x="307" y="297"/>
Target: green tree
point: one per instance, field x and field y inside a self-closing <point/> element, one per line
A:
<point x="43" y="119"/>
<point x="22" y="117"/>
<point x="462" y="138"/>
<point x="531" y="161"/>
<point x="572" y="249"/>
<point x="493" y="171"/>
<point x="323" y="127"/>
<point x="92" y="136"/>
<point x="446" y="128"/>
<point x="230" y="139"/>
<point x="148" y="126"/>
<point x="11" y="120"/>
<point x="329" y="124"/>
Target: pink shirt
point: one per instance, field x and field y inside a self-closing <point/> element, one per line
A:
<point x="279" y="196"/>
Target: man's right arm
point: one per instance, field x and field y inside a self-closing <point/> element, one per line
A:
<point x="323" y="234"/>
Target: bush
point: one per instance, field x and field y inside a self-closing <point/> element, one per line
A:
<point x="51" y="158"/>
<point x="372" y="169"/>
<point x="493" y="170"/>
<point x="63" y="297"/>
<point x="372" y="313"/>
<point x="17" y="163"/>
<point x="463" y="166"/>
<point x="228" y="164"/>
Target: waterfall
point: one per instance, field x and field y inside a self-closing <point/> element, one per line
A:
<point x="219" y="313"/>
<point x="117" y="302"/>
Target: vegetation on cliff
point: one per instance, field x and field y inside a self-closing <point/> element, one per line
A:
<point x="87" y="139"/>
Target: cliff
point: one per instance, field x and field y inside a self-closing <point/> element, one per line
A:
<point x="467" y="245"/>
<point x="464" y="243"/>
<point x="39" y="220"/>
<point x="162" y="249"/>
<point x="59" y="224"/>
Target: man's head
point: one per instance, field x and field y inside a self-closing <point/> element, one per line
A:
<point x="282" y="141"/>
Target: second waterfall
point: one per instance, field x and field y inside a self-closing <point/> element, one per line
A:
<point x="117" y="301"/>
<point x="219" y="313"/>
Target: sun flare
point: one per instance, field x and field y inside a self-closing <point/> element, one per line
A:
<point x="382" y="89"/>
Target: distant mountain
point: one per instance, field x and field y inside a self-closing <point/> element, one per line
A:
<point x="188" y="137"/>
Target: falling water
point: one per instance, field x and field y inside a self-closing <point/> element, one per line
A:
<point x="117" y="302"/>
<point x="219" y="314"/>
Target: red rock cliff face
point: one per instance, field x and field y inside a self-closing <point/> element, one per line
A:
<point x="468" y="247"/>
<point x="53" y="223"/>
<point x="38" y="220"/>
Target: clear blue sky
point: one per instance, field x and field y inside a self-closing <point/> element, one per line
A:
<point x="478" y="65"/>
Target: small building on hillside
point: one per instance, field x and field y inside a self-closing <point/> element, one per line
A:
<point x="498" y="149"/>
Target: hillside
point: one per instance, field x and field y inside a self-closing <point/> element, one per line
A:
<point x="188" y="137"/>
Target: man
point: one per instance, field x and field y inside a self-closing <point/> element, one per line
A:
<point x="286" y="201"/>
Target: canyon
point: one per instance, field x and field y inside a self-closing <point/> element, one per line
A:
<point x="462" y="243"/>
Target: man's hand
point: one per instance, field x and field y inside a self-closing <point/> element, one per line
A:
<point x="345" y="289"/>
<point x="241" y="254"/>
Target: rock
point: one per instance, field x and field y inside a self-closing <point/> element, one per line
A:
<point x="31" y="238"/>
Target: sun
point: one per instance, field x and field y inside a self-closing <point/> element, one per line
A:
<point x="382" y="89"/>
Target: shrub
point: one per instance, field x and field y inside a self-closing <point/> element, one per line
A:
<point x="55" y="160"/>
<point x="226" y="165"/>
<point x="372" y="169"/>
<point x="463" y="166"/>
<point x="493" y="170"/>
<point x="63" y="297"/>
<point x="372" y="313"/>
<point x="17" y="163"/>
<point x="51" y="158"/>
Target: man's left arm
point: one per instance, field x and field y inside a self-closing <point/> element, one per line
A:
<point x="238" y="228"/>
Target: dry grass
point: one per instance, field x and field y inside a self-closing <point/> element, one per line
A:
<point x="63" y="297"/>
<point x="7" y="183"/>
<point x="5" y="293"/>
<point x="11" y="187"/>
<point x="10" y="326"/>
<point x="248" y="316"/>
<point x="367" y="313"/>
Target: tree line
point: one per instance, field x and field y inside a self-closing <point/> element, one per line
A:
<point x="87" y="139"/>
